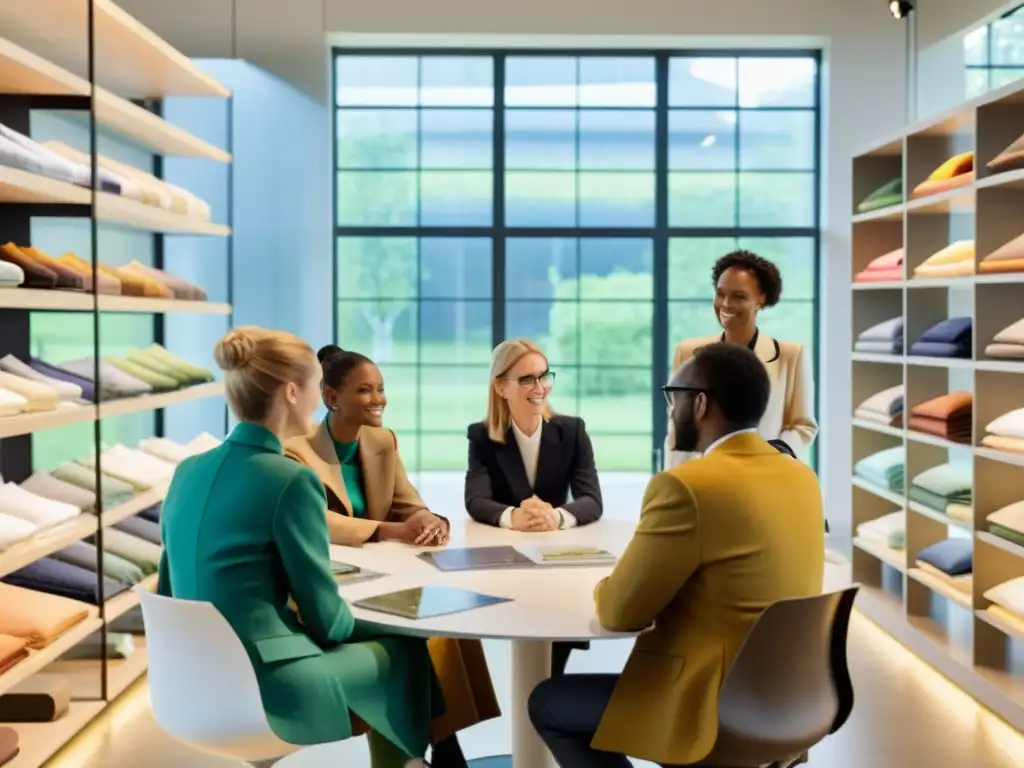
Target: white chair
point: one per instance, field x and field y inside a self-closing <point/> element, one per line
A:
<point x="201" y="683"/>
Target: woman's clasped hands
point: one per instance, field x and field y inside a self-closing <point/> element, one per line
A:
<point x="534" y="516"/>
<point x="421" y="529"/>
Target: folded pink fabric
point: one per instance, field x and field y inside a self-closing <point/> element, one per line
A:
<point x="888" y="266"/>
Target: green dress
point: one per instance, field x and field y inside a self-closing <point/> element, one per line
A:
<point x="244" y="528"/>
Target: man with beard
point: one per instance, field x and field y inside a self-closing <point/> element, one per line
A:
<point x="720" y="539"/>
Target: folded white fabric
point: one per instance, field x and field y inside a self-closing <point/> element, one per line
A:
<point x="139" y="469"/>
<point x="887" y="330"/>
<point x="65" y="389"/>
<point x="889" y="529"/>
<point x="166" y="449"/>
<point x="51" y="164"/>
<point x="878" y="347"/>
<point x="40" y="397"/>
<point x="11" y="403"/>
<point x="1011" y="517"/>
<point x="129" y="189"/>
<point x="11" y="275"/>
<point x="15" y="500"/>
<point x="1012" y="351"/>
<point x="49" y="487"/>
<point x="1009" y="595"/>
<point x="113" y="381"/>
<point x="882" y="402"/>
<point x="202" y="443"/>
<point x="14" y="529"/>
<point x="1008" y="425"/>
<point x="873" y="416"/>
<point x="1012" y="334"/>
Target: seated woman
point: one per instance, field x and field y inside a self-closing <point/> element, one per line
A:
<point x="370" y="498"/>
<point x="244" y="529"/>
<point x="524" y="461"/>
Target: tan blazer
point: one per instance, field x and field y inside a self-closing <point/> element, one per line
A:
<point x="389" y="494"/>
<point x="720" y="538"/>
<point x="790" y="412"/>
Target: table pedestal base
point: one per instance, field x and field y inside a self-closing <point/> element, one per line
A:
<point x="531" y="665"/>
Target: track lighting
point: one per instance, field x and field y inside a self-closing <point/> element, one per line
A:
<point x="900" y="9"/>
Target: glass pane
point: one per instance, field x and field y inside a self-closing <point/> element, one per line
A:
<point x="776" y="199"/>
<point x="408" y="442"/>
<point x="794" y="256"/>
<point x="444" y="452"/>
<point x="613" y="139"/>
<point x="540" y="199"/>
<point x="616" y="268"/>
<point x="791" y="321"/>
<point x="457" y="138"/>
<point x="537" y="139"/>
<point x="701" y="139"/>
<point x="622" y="453"/>
<point x="453" y="398"/>
<point x="456" y="198"/>
<point x="689" y="320"/>
<point x="377" y="80"/>
<point x="690" y="260"/>
<point x="1008" y="41"/>
<point x="455" y="332"/>
<point x="376" y="268"/>
<point x="616" y="82"/>
<point x="615" y="400"/>
<point x="541" y="268"/>
<point x="384" y="331"/>
<point x="613" y="333"/>
<point x="540" y="81"/>
<point x="976" y="47"/>
<point x="777" y="82"/>
<point x="616" y="199"/>
<point x="455" y="268"/>
<point x="376" y="138"/>
<point x="777" y="140"/>
<point x="552" y="325"/>
<point x="403" y="401"/>
<point x="702" y="199"/>
<point x="702" y="82"/>
<point x="1001" y="77"/>
<point x="457" y="81"/>
<point x="977" y="83"/>
<point x="375" y="198"/>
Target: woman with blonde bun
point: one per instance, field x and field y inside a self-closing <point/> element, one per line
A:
<point x="244" y="528"/>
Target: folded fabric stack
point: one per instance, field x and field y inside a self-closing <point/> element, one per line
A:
<point x="885" y="407"/>
<point x="1008" y="343"/>
<point x="890" y="193"/>
<point x="1006" y="433"/>
<point x="140" y="372"/>
<point x="29" y="395"/>
<point x="884" y="469"/>
<point x="115" y="492"/>
<point x="115" y="568"/>
<point x="144" y="554"/>
<point x="57" y="577"/>
<point x="1008" y="523"/>
<point x="950" y="338"/>
<point x="1006" y="258"/>
<point x="956" y="172"/>
<point x="1010" y="158"/>
<point x="949" y="416"/>
<point x="137" y="468"/>
<point x="41" y="270"/>
<point x="955" y="260"/>
<point x="11" y="275"/>
<point x="13" y="650"/>
<point x="885" y="338"/>
<point x="946" y="488"/>
<point x="67" y="391"/>
<point x="1008" y="602"/>
<point x="24" y="514"/>
<point x="888" y="266"/>
<point x="887" y="531"/>
<point x="19" y="151"/>
<point x="950" y="561"/>
<point x="38" y="617"/>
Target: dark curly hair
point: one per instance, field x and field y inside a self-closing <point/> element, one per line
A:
<point x="338" y="363"/>
<point x="765" y="272"/>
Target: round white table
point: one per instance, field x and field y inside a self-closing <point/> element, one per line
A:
<point x="548" y="604"/>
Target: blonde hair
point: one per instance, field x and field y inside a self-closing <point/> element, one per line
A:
<point x="256" y="364"/>
<point x="503" y="358"/>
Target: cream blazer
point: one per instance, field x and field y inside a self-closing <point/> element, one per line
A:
<point x="790" y="412"/>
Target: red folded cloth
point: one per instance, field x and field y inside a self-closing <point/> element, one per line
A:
<point x="888" y="266"/>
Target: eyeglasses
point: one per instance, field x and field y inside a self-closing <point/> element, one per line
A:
<point x="670" y="393"/>
<point x="546" y="380"/>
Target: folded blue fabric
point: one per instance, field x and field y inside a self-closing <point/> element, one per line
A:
<point x="146" y="530"/>
<point x="152" y="513"/>
<point x="951" y="331"/>
<point x="64" y="579"/>
<point x="941" y="349"/>
<point x="88" y="388"/>
<point x="953" y="557"/>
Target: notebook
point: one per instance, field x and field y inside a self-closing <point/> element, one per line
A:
<point x="476" y="558"/>
<point x="567" y="555"/>
<point x="428" y="602"/>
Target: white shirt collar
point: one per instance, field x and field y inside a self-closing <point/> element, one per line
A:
<point x="723" y="438"/>
<point x="521" y="436"/>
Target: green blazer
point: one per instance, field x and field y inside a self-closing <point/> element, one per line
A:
<point x="245" y="528"/>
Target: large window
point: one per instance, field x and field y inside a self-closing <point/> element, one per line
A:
<point x="994" y="53"/>
<point x="578" y="200"/>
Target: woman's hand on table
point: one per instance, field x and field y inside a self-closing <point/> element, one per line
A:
<point x="534" y="515"/>
<point x="434" y="532"/>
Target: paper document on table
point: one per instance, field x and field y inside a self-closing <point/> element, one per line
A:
<point x="346" y="573"/>
<point x="566" y="555"/>
<point x="474" y="558"/>
<point x="427" y="602"/>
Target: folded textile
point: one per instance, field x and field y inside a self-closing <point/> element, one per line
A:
<point x="888" y="266"/>
<point x="936" y="501"/>
<point x="955" y="260"/>
<point x="889" y="530"/>
<point x="1011" y="516"/>
<point x="11" y="275"/>
<point x="142" y="529"/>
<point x="1009" y="595"/>
<point x="196" y="373"/>
<point x="1010" y="424"/>
<point x="139" y="469"/>
<point x="1005" y="351"/>
<point x="888" y="402"/>
<point x="14" y="529"/>
<point x="960" y="512"/>
<point x="40" y="397"/>
<point x="890" y="193"/>
<point x="953" y="557"/>
<point x="39" y="617"/>
<point x="157" y="381"/>
<point x="59" y="374"/>
<point x="40" y="511"/>
<point x="1007" y="617"/>
<point x="65" y="580"/>
<point x="21" y="152"/>
<point x="86" y="556"/>
<point x="879" y="418"/>
<point x="953" y="330"/>
<point x="887" y="330"/>
<point x="13" y="650"/>
<point x="1006" y="533"/>
<point x="115" y="492"/>
<point x="202" y="443"/>
<point x="998" y="267"/>
<point x="35" y="274"/>
<point x="879" y="347"/>
<point x="67" y="278"/>
<point x="961" y="350"/>
<point x="107" y="284"/>
<point x="1010" y="158"/>
<point x="963" y="583"/>
<point x="1011" y="334"/>
<point x="181" y="289"/>
<point x="11" y="403"/>
<point x="999" y="443"/>
<point x="957" y="171"/>
<point x="948" y="416"/>
<point x="144" y="554"/>
<point x="65" y="390"/>
<point x="948" y="480"/>
<point x="49" y="487"/>
<point x="954" y="431"/>
<point x="152" y="513"/>
<point x="135" y="284"/>
<point x="114" y="383"/>
<point x="884" y="468"/>
<point x="165" y="449"/>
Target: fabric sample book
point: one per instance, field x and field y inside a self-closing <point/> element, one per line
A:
<point x="38" y="617"/>
<point x="1008" y="523"/>
<point x="955" y="260"/>
<point x="1008" y="343"/>
<point x="889" y="530"/>
<point x="1008" y="257"/>
<point x="890" y="193"/>
<point x="957" y="171"/>
<point x="888" y="266"/>
<point x="949" y="416"/>
<point x="1010" y="158"/>
<point x="882" y="338"/>
<point x="884" y="469"/>
<point x="941" y="485"/>
<point x="948" y="338"/>
<point x="885" y="407"/>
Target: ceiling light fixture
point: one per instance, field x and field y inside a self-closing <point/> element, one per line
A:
<point x="900" y="9"/>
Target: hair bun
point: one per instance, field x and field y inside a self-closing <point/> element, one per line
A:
<point x="235" y="350"/>
<point x="329" y="351"/>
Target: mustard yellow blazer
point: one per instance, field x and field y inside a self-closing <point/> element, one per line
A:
<point x="790" y="412"/>
<point x="460" y="665"/>
<point x="720" y="538"/>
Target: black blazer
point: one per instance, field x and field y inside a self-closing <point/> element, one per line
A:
<point x="496" y="478"/>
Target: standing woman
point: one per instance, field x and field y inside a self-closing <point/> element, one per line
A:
<point x="744" y="285"/>
<point x="370" y="498"/>
<point x="244" y="528"/>
<point x="524" y="461"/>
